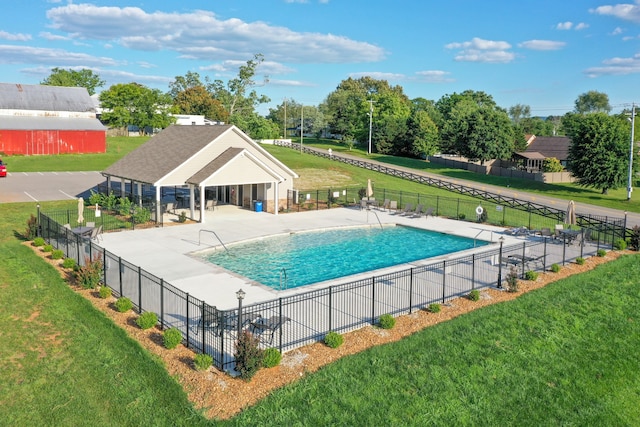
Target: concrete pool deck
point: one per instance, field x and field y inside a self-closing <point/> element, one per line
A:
<point x="168" y="252"/>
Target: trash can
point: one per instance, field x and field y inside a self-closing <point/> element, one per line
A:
<point x="258" y="205"/>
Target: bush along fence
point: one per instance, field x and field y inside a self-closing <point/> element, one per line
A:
<point x="614" y="226"/>
<point x="293" y="321"/>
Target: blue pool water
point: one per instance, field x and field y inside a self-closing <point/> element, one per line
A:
<point x="312" y="257"/>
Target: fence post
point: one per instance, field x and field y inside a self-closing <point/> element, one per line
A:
<point x="524" y="251"/>
<point x="564" y="250"/>
<point x="458" y="210"/>
<point x="437" y="205"/>
<point x="162" y="304"/>
<point x="204" y="329"/>
<point x="444" y="280"/>
<point x="411" y="290"/>
<point x="544" y="257"/>
<point x="104" y="267"/>
<point x="373" y="300"/>
<point x="529" y="215"/>
<point x="120" y="274"/>
<point x="186" y="332"/>
<point x="582" y="243"/>
<point x="473" y="271"/>
<point x="139" y="289"/>
<point x="499" y="286"/>
<point x="330" y="314"/>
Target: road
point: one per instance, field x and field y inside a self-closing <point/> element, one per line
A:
<point x="47" y="186"/>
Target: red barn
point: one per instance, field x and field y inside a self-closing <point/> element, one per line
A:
<point x="38" y="119"/>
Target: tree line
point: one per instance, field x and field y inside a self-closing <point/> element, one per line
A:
<point x="372" y="113"/>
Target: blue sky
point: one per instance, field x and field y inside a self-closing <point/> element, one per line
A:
<point x="542" y="53"/>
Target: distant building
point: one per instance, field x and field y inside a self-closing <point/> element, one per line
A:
<point x="39" y="119"/>
<point x="540" y="148"/>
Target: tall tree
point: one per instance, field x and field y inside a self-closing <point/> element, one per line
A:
<point x="236" y="95"/>
<point x="188" y="81"/>
<point x="478" y="132"/>
<point x="71" y="78"/>
<point x="519" y="112"/>
<point x="592" y="102"/>
<point x="135" y="104"/>
<point x="598" y="154"/>
<point x="422" y="134"/>
<point x="196" y="100"/>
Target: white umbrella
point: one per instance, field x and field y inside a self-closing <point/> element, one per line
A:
<point x="570" y="218"/>
<point x="369" y="188"/>
<point x="80" y="210"/>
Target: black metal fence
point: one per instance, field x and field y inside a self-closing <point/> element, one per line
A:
<point x="308" y="316"/>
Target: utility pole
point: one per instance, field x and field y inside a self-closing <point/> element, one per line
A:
<point x="285" y="119"/>
<point x="301" y="126"/>
<point x="371" y="101"/>
<point x="633" y="123"/>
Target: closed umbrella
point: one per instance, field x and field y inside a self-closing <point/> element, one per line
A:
<point x="80" y="210"/>
<point x="571" y="213"/>
<point x="369" y="188"/>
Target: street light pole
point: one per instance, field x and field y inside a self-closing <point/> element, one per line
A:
<point x="370" y="123"/>
<point x="301" y="126"/>
<point x="630" y="181"/>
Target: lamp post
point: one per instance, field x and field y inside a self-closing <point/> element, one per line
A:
<point x="630" y="181"/>
<point x="501" y="239"/>
<point x="301" y="126"/>
<point x="370" y="123"/>
<point x="240" y="295"/>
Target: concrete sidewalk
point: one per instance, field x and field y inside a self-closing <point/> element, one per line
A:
<point x="171" y="252"/>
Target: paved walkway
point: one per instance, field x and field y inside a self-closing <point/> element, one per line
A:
<point x="171" y="252"/>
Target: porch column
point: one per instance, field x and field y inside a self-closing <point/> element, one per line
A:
<point x="276" y="191"/>
<point x="158" y="205"/>
<point x="203" y="204"/>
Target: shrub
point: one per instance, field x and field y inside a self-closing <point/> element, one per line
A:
<point x="461" y="216"/>
<point x="182" y="217"/>
<point x="57" y="254"/>
<point x="141" y="215"/>
<point x="620" y="244"/>
<point x="386" y="321"/>
<point x="271" y="357"/>
<point x="580" y="260"/>
<point x="69" y="263"/>
<point x="531" y="275"/>
<point x="171" y="338"/>
<point x="512" y="280"/>
<point x="90" y="274"/>
<point x="123" y="304"/>
<point x="38" y="241"/>
<point x="435" y="307"/>
<point x="105" y="292"/>
<point x="202" y="361"/>
<point x="555" y="268"/>
<point x="601" y="253"/>
<point x="333" y="339"/>
<point x="124" y="206"/>
<point x="147" y="320"/>
<point x="32" y="228"/>
<point x="474" y="295"/>
<point x="248" y="355"/>
<point x="47" y="248"/>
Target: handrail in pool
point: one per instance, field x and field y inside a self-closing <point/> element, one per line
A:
<point x="214" y="233"/>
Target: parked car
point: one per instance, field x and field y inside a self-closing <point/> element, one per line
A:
<point x="3" y="169"/>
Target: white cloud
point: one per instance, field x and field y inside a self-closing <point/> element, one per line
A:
<point x="617" y="31"/>
<point x="581" y="26"/>
<point x="14" y="37"/>
<point x="10" y="54"/>
<point x="616" y="66"/>
<point x="435" y="76"/>
<point x="53" y="37"/>
<point x="265" y="68"/>
<point x="564" y="25"/>
<point x="480" y="50"/>
<point x="542" y="45"/>
<point x="378" y="75"/>
<point x="201" y="35"/>
<point x="627" y="12"/>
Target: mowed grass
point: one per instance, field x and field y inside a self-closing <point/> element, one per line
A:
<point x="563" y="355"/>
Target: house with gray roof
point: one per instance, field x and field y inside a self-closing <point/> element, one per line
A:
<point x="39" y="119"/>
<point x="540" y="148"/>
<point x="217" y="162"/>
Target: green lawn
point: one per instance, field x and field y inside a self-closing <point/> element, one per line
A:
<point x="563" y="355"/>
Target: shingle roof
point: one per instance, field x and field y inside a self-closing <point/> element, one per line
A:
<point x="551" y="146"/>
<point x="46" y="98"/>
<point x="49" y="123"/>
<point x="214" y="165"/>
<point x="165" y="152"/>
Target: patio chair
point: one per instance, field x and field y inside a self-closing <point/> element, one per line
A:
<point x="546" y="232"/>
<point x="393" y="205"/>
<point x="364" y="204"/>
<point x="385" y="204"/>
<point x="418" y="212"/>
<point x="210" y="205"/>
<point x="95" y="234"/>
<point x="210" y="320"/>
<point x="91" y="224"/>
<point x="266" y="329"/>
<point x="429" y="212"/>
<point x="408" y="208"/>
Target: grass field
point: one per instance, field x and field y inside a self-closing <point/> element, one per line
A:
<point x="563" y="355"/>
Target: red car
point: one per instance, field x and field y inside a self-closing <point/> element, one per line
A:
<point x="3" y="169"/>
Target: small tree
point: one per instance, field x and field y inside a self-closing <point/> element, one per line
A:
<point x="248" y="355"/>
<point x="551" y="164"/>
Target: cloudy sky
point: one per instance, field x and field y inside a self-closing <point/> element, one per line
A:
<point x="543" y="53"/>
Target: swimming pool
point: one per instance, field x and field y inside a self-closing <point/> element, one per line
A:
<point x="299" y="259"/>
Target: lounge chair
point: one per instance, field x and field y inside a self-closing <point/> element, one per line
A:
<point x="95" y="233"/>
<point x="210" y="320"/>
<point x="408" y="208"/>
<point x="418" y="212"/>
<point x="546" y="232"/>
<point x="385" y="204"/>
<point x="393" y="205"/>
<point x="266" y="329"/>
<point x="518" y="231"/>
<point x="429" y="212"/>
<point x="91" y="224"/>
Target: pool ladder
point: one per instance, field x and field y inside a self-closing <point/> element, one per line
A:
<point x="283" y="273"/>
<point x="476" y="236"/>
<point x="214" y="233"/>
